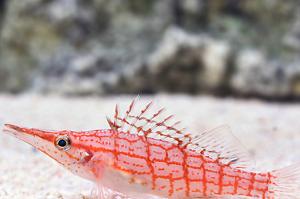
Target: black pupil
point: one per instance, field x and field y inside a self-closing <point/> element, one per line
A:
<point x="62" y="143"/>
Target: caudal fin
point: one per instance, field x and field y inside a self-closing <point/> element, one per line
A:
<point x="286" y="182"/>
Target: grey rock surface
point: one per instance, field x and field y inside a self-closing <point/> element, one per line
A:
<point x="255" y="75"/>
<point x="186" y="62"/>
<point x="269" y="131"/>
<point x="80" y="47"/>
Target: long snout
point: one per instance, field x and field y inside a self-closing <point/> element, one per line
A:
<point x="24" y="133"/>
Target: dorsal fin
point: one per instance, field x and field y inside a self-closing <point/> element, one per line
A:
<point x="146" y="121"/>
<point x="149" y="122"/>
<point x="222" y="144"/>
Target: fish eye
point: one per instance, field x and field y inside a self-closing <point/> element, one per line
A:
<point x="63" y="143"/>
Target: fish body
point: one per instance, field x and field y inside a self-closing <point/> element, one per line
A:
<point x="154" y="166"/>
<point x="144" y="153"/>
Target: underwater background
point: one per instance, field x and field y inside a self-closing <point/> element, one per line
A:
<point x="64" y="64"/>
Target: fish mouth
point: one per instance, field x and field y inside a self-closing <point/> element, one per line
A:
<point x="25" y="133"/>
<point x="11" y="128"/>
<point x="39" y="139"/>
<point x="17" y="131"/>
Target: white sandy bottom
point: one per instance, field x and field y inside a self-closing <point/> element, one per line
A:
<point x="269" y="131"/>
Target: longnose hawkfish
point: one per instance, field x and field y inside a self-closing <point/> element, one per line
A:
<point x="146" y="153"/>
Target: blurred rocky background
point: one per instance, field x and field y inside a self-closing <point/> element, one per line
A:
<point x="84" y="47"/>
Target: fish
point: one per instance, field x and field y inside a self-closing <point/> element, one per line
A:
<point x="145" y="153"/>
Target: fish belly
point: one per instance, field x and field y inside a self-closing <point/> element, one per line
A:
<point x="125" y="183"/>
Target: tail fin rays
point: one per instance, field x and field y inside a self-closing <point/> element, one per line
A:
<point x="286" y="182"/>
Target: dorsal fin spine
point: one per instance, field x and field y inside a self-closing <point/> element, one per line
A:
<point x="130" y="108"/>
<point x="116" y="115"/>
<point x="157" y="124"/>
<point x="112" y="124"/>
<point x="143" y="111"/>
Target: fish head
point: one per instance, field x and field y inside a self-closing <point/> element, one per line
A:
<point x="59" y="145"/>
